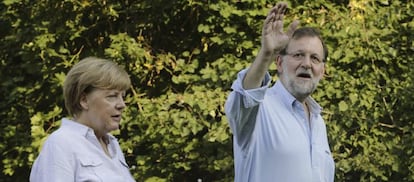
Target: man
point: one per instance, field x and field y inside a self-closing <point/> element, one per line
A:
<point x="279" y="134"/>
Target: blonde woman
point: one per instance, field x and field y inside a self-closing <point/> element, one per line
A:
<point x="82" y="149"/>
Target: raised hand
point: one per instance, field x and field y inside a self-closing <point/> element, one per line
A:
<point x="274" y="38"/>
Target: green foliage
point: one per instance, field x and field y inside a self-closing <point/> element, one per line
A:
<point x="188" y="129"/>
<point x="183" y="56"/>
<point x="367" y="73"/>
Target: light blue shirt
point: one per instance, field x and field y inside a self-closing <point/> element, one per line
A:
<point x="73" y="153"/>
<point x="273" y="140"/>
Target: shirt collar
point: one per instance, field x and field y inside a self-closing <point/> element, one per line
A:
<point x="313" y="105"/>
<point x="81" y="129"/>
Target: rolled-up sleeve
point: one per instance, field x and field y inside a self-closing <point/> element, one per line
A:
<point x="242" y="105"/>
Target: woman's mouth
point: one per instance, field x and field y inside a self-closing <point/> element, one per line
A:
<point x="116" y="117"/>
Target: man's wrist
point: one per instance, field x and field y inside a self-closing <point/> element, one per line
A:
<point x="268" y="54"/>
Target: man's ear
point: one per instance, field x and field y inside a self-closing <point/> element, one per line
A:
<point x="323" y="71"/>
<point x="279" y="61"/>
<point x="83" y="101"/>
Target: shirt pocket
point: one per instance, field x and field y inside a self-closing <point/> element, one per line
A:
<point x="88" y="169"/>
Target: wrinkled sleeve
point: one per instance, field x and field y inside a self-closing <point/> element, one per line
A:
<point x="242" y="106"/>
<point x="52" y="164"/>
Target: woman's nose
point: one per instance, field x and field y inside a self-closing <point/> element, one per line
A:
<point x="121" y="103"/>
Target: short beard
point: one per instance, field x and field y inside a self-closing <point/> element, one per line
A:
<point x="297" y="89"/>
<point x="300" y="91"/>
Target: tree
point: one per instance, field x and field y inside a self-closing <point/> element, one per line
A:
<point x="183" y="56"/>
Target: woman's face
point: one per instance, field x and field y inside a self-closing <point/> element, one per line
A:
<point x="102" y="109"/>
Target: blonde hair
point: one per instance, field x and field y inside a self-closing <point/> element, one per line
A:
<point x="90" y="73"/>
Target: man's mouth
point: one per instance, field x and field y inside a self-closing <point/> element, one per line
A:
<point x="304" y="75"/>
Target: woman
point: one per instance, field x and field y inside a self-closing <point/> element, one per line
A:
<point x="82" y="149"/>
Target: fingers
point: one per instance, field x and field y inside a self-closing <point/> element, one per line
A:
<point x="292" y="28"/>
<point x="267" y="27"/>
<point x="278" y="26"/>
<point x="279" y="10"/>
<point x="274" y="20"/>
<point x="269" y="19"/>
<point x="275" y="17"/>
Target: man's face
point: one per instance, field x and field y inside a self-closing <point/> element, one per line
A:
<point x="302" y="67"/>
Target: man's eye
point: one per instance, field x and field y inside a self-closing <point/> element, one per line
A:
<point x="298" y="55"/>
<point x="316" y="59"/>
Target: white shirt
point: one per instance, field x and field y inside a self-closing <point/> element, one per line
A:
<point x="273" y="140"/>
<point x="73" y="153"/>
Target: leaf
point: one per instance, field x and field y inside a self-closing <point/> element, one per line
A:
<point x="343" y="106"/>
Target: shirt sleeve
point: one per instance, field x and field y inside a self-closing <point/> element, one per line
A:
<point x="52" y="164"/>
<point x="242" y="106"/>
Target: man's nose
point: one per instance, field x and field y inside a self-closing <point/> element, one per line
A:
<point x="306" y="62"/>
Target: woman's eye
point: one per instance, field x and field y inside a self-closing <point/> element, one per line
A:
<point x="112" y="96"/>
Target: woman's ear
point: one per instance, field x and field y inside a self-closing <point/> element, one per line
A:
<point x="83" y="101"/>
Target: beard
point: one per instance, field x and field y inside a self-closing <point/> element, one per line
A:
<point x="300" y="89"/>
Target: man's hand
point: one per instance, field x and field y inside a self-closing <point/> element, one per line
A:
<point x="273" y="37"/>
<point x="273" y="41"/>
